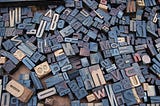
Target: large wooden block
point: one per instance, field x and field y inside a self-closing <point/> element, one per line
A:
<point x="42" y="69"/>
<point x="19" y="91"/>
<point x="97" y="75"/>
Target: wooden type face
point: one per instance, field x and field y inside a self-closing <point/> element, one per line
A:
<point x="42" y="69"/>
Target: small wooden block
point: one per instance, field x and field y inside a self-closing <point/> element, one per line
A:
<point x="91" y="97"/>
<point x="19" y="55"/>
<point x="3" y="60"/>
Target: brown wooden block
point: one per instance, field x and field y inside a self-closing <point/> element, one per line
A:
<point x="91" y="97"/>
<point x="141" y="3"/>
<point x="19" y="55"/>
<point x="42" y="69"/>
<point x="3" y="60"/>
<point x="19" y="91"/>
<point x="99" y="92"/>
<point x="59" y="54"/>
<point x="97" y="75"/>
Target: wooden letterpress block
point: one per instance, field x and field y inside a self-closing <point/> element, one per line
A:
<point x="14" y="101"/>
<point x="155" y="99"/>
<point x="97" y="75"/>
<point x="28" y="63"/>
<point x="95" y="58"/>
<point x="141" y="3"/>
<point x="55" y="68"/>
<point x="151" y="90"/>
<point x="129" y="97"/>
<point x="111" y="95"/>
<point x="84" y="52"/>
<point x="93" y="47"/>
<point x="75" y="103"/>
<point x="126" y="49"/>
<point x="62" y="88"/>
<point x="68" y="49"/>
<point x="131" y="6"/>
<point x="46" y="93"/>
<point x="106" y="63"/>
<point x="75" y="48"/>
<point x="36" y="81"/>
<point x="54" y="21"/>
<point x="141" y="29"/>
<point x="66" y="68"/>
<point x="84" y="62"/>
<point x="19" y="91"/>
<point x="53" y="80"/>
<point x="19" y="55"/>
<point x="91" y="97"/>
<point x="50" y="58"/>
<point x="17" y="15"/>
<point x="140" y="91"/>
<point x="96" y="104"/>
<point x="86" y="77"/>
<point x="7" y="45"/>
<point x="117" y="87"/>
<point x="42" y="69"/>
<point x="23" y="47"/>
<point x="134" y="81"/>
<point x="130" y="71"/>
<point x="76" y="63"/>
<point x="120" y="98"/>
<point x="41" y="28"/>
<point x="3" y="60"/>
<point x="99" y="92"/>
<point x="36" y="57"/>
<point x="146" y="59"/>
<point x="116" y="75"/>
<point x="9" y="66"/>
<point x="5" y="101"/>
<point x="64" y="62"/>
<point x="67" y="31"/>
<point x="59" y="54"/>
<point x="126" y="83"/>
<point x="81" y="93"/>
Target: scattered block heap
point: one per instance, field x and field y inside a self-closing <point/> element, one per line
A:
<point x="93" y="52"/>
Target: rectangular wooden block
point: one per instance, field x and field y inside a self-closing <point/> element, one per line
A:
<point x="3" y="60"/>
<point x="19" y="91"/>
<point x="87" y="78"/>
<point x="97" y="75"/>
<point x="46" y="93"/>
<point x="19" y="55"/>
<point x="42" y="69"/>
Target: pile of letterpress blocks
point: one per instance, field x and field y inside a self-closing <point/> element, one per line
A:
<point x="95" y="52"/>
